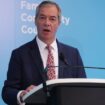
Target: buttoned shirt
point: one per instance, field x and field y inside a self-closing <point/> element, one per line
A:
<point x="44" y="53"/>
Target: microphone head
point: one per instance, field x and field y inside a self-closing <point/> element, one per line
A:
<point x="62" y="57"/>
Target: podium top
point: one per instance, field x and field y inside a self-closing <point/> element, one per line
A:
<point x="67" y="82"/>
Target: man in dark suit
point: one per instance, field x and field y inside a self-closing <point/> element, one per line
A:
<point x="28" y="61"/>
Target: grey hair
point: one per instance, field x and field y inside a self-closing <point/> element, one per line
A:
<point x="47" y="2"/>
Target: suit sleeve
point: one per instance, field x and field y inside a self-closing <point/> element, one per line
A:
<point x="12" y="84"/>
<point x="80" y="71"/>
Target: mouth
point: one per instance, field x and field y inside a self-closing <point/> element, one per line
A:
<point x="46" y="30"/>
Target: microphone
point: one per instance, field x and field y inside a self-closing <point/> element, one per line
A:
<point x="62" y="58"/>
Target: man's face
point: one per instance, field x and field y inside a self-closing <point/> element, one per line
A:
<point x="47" y="23"/>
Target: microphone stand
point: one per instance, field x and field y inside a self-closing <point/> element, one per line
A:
<point x="45" y="88"/>
<point x="64" y="60"/>
<point x="88" y="67"/>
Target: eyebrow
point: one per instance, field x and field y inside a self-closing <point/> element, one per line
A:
<point x="50" y="16"/>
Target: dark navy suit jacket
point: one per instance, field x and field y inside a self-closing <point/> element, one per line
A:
<point x="25" y="68"/>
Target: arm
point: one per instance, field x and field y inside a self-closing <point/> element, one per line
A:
<point x="13" y="83"/>
<point x="80" y="71"/>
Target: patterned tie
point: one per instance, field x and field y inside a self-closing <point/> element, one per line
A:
<point x="50" y="62"/>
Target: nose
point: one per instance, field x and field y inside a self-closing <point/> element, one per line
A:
<point x="47" y="22"/>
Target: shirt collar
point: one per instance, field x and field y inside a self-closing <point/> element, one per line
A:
<point x="43" y="45"/>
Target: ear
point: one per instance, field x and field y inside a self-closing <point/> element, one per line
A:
<point x="59" y="22"/>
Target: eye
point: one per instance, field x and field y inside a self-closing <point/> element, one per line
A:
<point x="53" y="18"/>
<point x="42" y="17"/>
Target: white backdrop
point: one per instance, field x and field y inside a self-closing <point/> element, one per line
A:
<point x="83" y="26"/>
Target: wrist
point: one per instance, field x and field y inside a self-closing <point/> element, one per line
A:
<point x="19" y="98"/>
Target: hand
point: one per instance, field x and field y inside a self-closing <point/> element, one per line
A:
<point x="26" y="91"/>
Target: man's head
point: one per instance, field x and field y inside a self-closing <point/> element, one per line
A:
<point x="47" y="20"/>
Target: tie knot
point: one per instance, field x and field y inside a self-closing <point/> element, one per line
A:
<point x="48" y="47"/>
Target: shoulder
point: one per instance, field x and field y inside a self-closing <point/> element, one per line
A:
<point x="68" y="50"/>
<point x="67" y="47"/>
<point x="25" y="47"/>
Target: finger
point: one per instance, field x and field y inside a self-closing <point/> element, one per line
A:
<point x="23" y="93"/>
<point x="30" y="88"/>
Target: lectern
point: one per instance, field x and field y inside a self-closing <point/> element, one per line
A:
<point x="69" y="92"/>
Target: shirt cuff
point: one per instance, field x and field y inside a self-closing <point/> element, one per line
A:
<point x="18" y="98"/>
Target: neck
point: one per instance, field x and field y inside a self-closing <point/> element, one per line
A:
<point x="47" y="41"/>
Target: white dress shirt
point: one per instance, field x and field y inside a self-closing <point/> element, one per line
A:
<point x="44" y="53"/>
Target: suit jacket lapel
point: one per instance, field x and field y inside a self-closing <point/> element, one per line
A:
<point x="60" y="63"/>
<point x="36" y="57"/>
